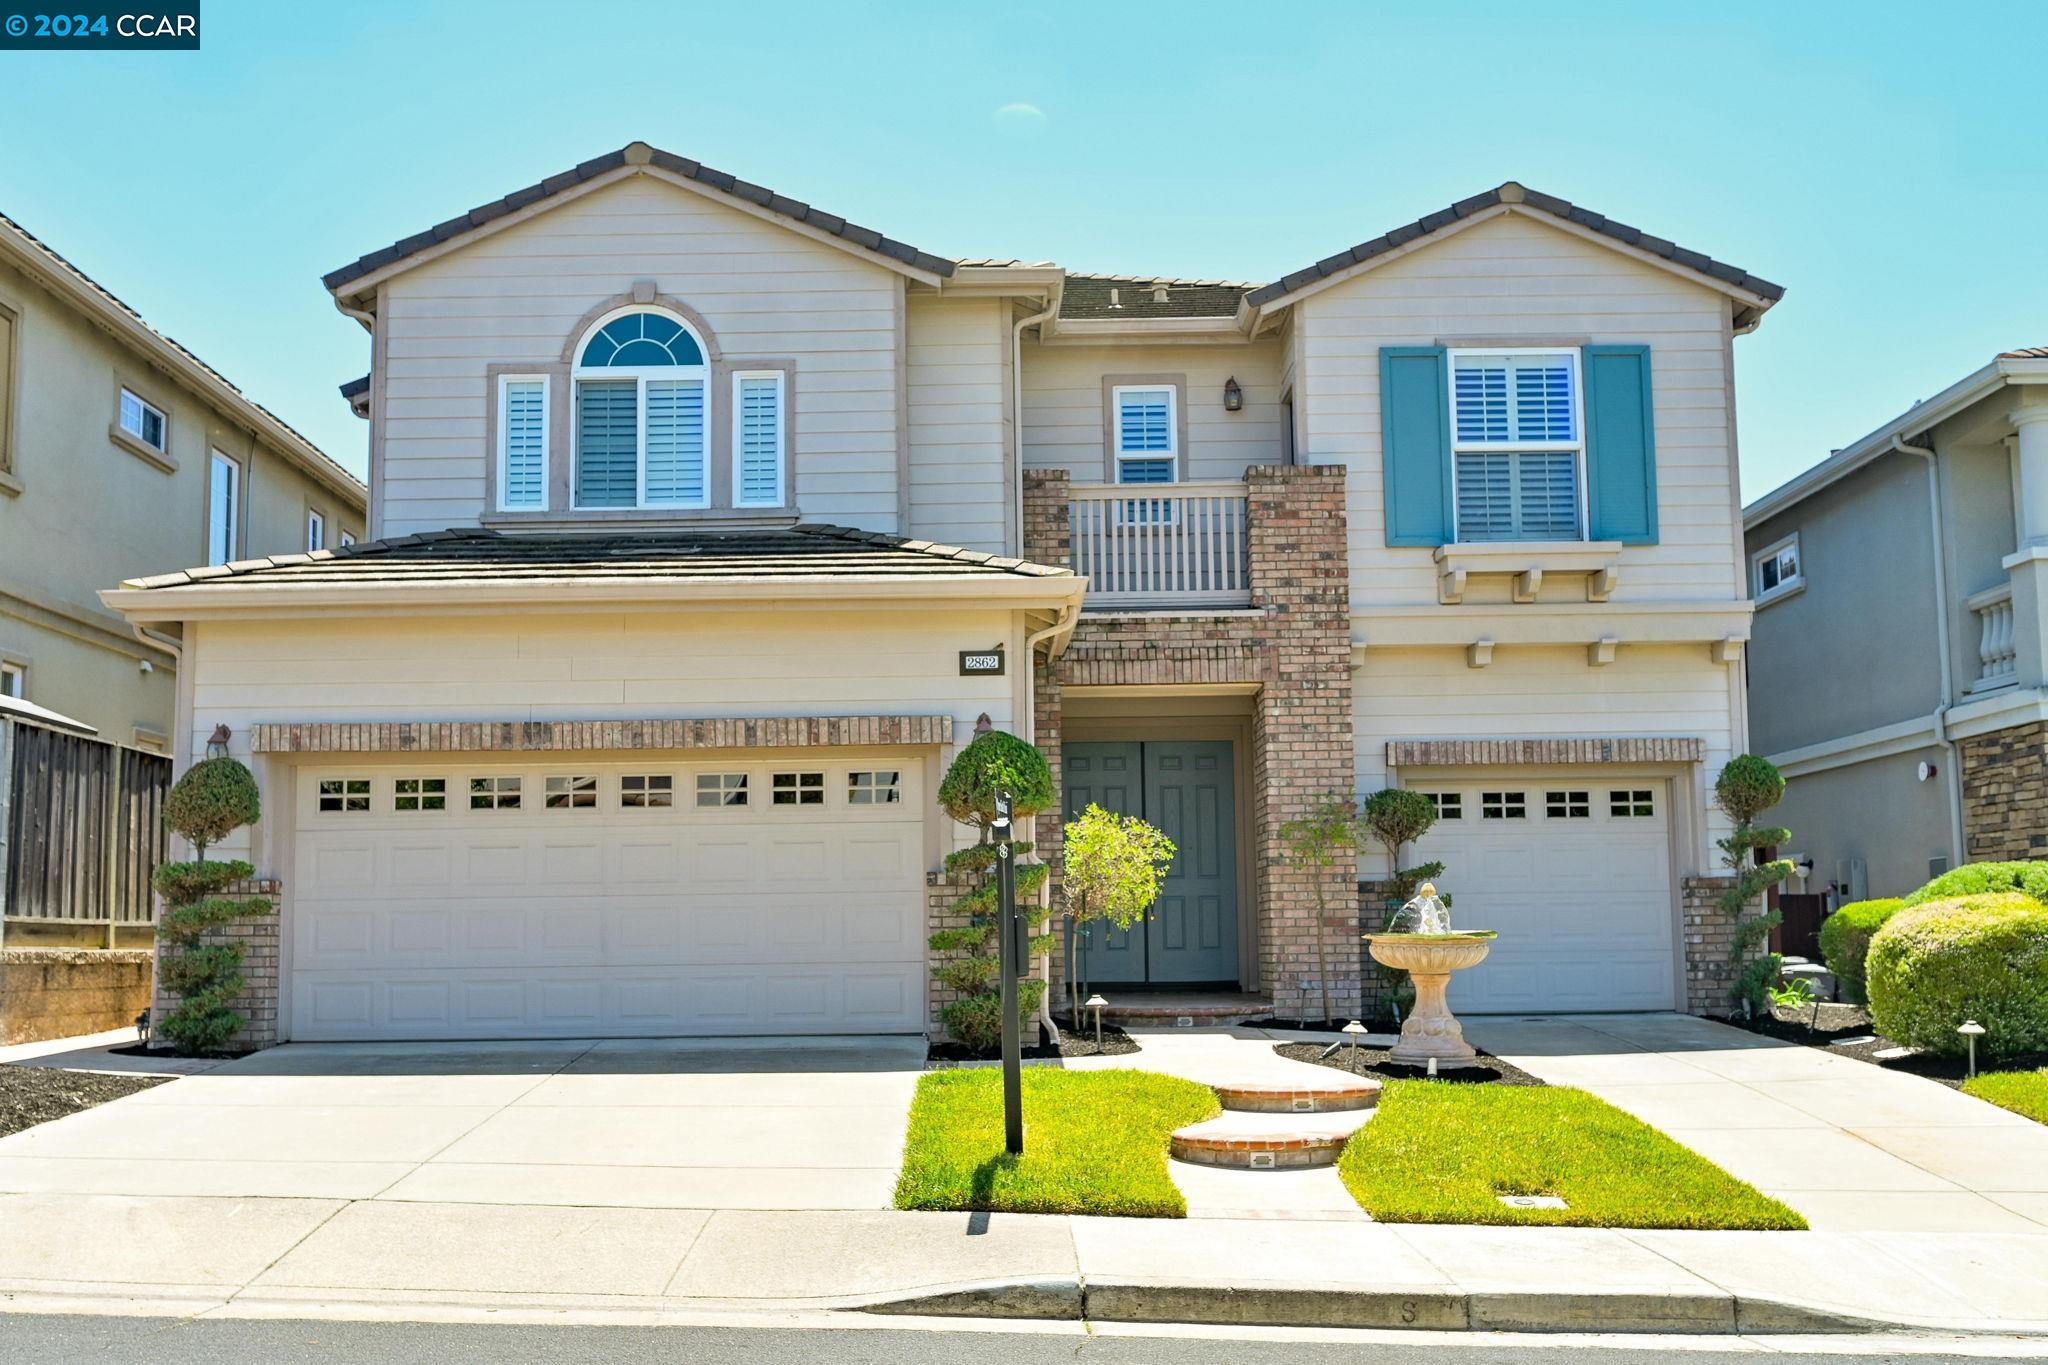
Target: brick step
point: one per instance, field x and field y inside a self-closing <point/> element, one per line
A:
<point x="1340" y="1094"/>
<point x="1168" y="1012"/>
<point x="1267" y="1142"/>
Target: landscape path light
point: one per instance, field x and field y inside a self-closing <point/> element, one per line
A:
<point x="1972" y="1030"/>
<point x="1096" y="1002"/>
<point x="1353" y="1030"/>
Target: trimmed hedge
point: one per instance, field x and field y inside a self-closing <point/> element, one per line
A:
<point x="1983" y="879"/>
<point x="1845" y="940"/>
<point x="1973" y="957"/>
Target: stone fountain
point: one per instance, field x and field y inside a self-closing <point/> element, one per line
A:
<point x="1421" y="942"/>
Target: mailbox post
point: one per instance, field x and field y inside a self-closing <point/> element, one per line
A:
<point x="1011" y="963"/>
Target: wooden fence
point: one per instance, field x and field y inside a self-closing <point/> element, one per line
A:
<point x="81" y="828"/>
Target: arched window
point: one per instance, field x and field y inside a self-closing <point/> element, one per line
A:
<point x="643" y="414"/>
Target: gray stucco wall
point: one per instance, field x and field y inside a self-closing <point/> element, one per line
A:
<point x="1877" y="811"/>
<point x="1855" y="649"/>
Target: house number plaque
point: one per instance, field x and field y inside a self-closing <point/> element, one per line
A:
<point x="981" y="663"/>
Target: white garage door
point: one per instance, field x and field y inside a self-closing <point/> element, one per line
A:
<point x="1576" y="877"/>
<point x="600" y="899"/>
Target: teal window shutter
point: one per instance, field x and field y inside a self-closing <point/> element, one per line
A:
<point x="1621" y="445"/>
<point x="1415" y="444"/>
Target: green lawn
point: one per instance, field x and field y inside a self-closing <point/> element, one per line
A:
<point x="2023" y="1092"/>
<point x="1442" y="1153"/>
<point x="1094" y="1142"/>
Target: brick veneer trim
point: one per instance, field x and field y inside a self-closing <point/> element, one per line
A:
<point x="2005" y="793"/>
<point x="258" y="934"/>
<point x="1447" y="753"/>
<point x="472" y="736"/>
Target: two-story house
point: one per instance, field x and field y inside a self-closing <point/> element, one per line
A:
<point x="122" y="453"/>
<point x="707" y="526"/>
<point x="1898" y="669"/>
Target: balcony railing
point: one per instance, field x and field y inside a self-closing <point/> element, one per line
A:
<point x="1997" y="649"/>
<point x="1161" y="545"/>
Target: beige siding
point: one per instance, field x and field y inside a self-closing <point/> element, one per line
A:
<point x="957" y="367"/>
<point x="514" y="297"/>
<point x="1065" y="417"/>
<point x="1511" y="278"/>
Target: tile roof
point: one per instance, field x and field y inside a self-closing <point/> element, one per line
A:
<point x="356" y="388"/>
<point x="1513" y="193"/>
<point x="1088" y="296"/>
<point x="638" y="154"/>
<point x="440" y="558"/>
<point x="2025" y="353"/>
<point x="51" y="256"/>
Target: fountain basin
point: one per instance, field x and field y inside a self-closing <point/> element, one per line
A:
<point x="1436" y="954"/>
<point x="1431" y="1033"/>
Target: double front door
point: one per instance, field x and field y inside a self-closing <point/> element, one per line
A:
<point x="1188" y="789"/>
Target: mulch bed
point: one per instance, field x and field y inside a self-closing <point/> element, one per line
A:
<point x="1845" y="1031"/>
<point x="30" y="1095"/>
<point x="1376" y="1063"/>
<point x="138" y="1050"/>
<point x="1081" y="1043"/>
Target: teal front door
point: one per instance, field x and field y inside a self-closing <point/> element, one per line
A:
<point x="1188" y="789"/>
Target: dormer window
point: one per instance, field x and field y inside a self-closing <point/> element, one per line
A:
<point x="643" y="412"/>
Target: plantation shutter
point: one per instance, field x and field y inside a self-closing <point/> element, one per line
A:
<point x="1621" y="453"/>
<point x="757" y="437"/>
<point x="607" y="443"/>
<point x="675" y="442"/>
<point x="526" y="443"/>
<point x="1415" y="444"/>
<point x="6" y="386"/>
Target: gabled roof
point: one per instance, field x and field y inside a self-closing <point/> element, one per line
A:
<point x="1518" y="196"/>
<point x="637" y="154"/>
<point x="100" y="302"/>
<point x="1090" y="296"/>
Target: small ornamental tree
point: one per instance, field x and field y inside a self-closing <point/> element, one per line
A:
<point x="1747" y="787"/>
<point x="1395" y="817"/>
<point x="212" y="800"/>
<point x="1111" y="866"/>
<point x="994" y="762"/>
<point x="1326" y="837"/>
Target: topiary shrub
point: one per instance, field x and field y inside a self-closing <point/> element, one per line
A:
<point x="1974" y="957"/>
<point x="993" y="762"/>
<point x="1983" y="879"/>
<point x="1845" y="940"/>
<point x="212" y="800"/>
<point x="1746" y="788"/>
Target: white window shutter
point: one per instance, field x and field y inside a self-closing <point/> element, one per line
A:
<point x="675" y="442"/>
<point x="758" y="424"/>
<point x="526" y="449"/>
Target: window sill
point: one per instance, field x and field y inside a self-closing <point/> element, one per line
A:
<point x="1779" y="594"/>
<point x="651" y="518"/>
<point x="141" y="449"/>
<point x="10" y="485"/>
<point x="1527" y="561"/>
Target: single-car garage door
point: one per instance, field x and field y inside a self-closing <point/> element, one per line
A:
<point x="589" y="898"/>
<point x="1575" y="876"/>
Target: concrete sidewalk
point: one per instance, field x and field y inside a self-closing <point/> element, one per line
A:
<point x="315" y="1257"/>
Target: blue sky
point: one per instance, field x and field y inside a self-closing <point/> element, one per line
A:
<point x="1884" y="162"/>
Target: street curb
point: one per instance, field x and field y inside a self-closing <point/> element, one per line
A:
<point x="1417" y="1309"/>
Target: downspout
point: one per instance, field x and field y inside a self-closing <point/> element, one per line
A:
<point x="1017" y="413"/>
<point x="1953" y="761"/>
<point x="1054" y="634"/>
<point x="155" y="640"/>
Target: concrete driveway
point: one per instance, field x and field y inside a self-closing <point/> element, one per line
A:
<point x="657" y="1124"/>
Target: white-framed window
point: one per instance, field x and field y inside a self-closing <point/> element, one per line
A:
<point x="759" y="423"/>
<point x="1518" y="447"/>
<point x="344" y="794"/>
<point x="1145" y="433"/>
<point x="647" y="791"/>
<point x="721" y="789"/>
<point x="14" y="681"/>
<point x="348" y="537"/>
<point x="316" y="531"/>
<point x="882" y="787"/>
<point x="797" y="789"/>
<point x="1447" y="805"/>
<point x="1503" y="806"/>
<point x="1634" y="803"/>
<point x="420" y="794"/>
<point x="571" y="792"/>
<point x="1776" y="570"/>
<point x="223" y="509"/>
<point x="1568" y="805"/>
<point x="143" y="420"/>
<point x="494" y="793"/>
<point x="522" y="442"/>
<point x="642" y="414"/>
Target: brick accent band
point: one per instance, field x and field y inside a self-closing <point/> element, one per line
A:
<point x="472" y="736"/>
<point x="1444" y="753"/>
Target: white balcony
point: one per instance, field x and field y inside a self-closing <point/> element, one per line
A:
<point x="1154" y="546"/>
<point x="1997" y="648"/>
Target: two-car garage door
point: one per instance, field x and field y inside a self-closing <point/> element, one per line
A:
<point x="587" y="898"/>
<point x="1575" y="875"/>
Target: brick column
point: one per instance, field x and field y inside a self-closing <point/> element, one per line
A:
<point x="1049" y="540"/>
<point x="2005" y="793"/>
<point x="258" y="1001"/>
<point x="1709" y="934"/>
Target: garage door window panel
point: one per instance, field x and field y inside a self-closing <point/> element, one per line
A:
<point x="1568" y="805"/>
<point x="1447" y="805"/>
<point x="1635" y="803"/>
<point x="878" y="787"/>
<point x="494" y="793"/>
<point x="646" y="791"/>
<point x="420" y="794"/>
<point x="344" y="795"/>
<point x="571" y="792"/>
<point x="798" y="789"/>
<point x="1503" y="806"/>
<point x="721" y="790"/>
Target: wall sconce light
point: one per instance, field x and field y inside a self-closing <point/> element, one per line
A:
<point x="1927" y="771"/>
<point x="1233" y="396"/>
<point x="217" y="742"/>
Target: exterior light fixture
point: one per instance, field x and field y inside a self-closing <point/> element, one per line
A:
<point x="1096" y="1002"/>
<point x="1972" y="1031"/>
<point x="1354" y="1030"/>
<point x="1233" y="395"/>
<point x="217" y="742"/>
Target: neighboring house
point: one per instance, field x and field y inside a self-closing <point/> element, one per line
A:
<point x="122" y="453"/>
<point x="708" y="525"/>
<point x="1898" y="668"/>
